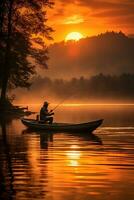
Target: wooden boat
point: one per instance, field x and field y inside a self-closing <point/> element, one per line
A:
<point x="65" y="127"/>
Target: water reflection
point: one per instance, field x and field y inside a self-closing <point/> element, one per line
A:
<point x="48" y="136"/>
<point x="57" y="166"/>
<point x="6" y="171"/>
<point x="74" y="155"/>
<point x="18" y="172"/>
<point x="91" y="137"/>
<point x="45" y="137"/>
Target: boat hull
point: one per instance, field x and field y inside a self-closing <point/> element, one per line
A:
<point x="58" y="127"/>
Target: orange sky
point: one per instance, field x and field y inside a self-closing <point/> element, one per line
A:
<point x="91" y="17"/>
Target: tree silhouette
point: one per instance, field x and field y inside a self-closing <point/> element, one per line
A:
<point x="22" y="28"/>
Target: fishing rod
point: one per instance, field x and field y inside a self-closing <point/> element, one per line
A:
<point x="61" y="102"/>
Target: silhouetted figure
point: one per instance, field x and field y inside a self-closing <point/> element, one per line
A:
<point x="45" y="115"/>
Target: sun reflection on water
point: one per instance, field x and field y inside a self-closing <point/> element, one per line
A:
<point x="74" y="156"/>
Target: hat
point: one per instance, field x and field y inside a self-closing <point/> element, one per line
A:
<point x="46" y="103"/>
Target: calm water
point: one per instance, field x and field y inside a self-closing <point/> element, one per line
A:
<point x="59" y="166"/>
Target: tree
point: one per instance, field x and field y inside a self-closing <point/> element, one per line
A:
<point x="22" y="28"/>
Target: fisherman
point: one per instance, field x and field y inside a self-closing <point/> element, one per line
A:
<point x="45" y="115"/>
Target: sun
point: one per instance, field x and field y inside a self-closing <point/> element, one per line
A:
<point x="73" y="36"/>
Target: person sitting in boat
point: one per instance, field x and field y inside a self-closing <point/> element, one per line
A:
<point x="45" y="115"/>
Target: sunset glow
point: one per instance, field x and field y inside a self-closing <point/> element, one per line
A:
<point x="67" y="99"/>
<point x="91" y="17"/>
<point x="74" y="36"/>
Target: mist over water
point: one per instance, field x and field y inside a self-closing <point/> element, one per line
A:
<point x="99" y="88"/>
<point x="113" y="114"/>
<point x="57" y="166"/>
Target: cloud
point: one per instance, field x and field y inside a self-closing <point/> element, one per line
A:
<point x="100" y="4"/>
<point x="100" y="8"/>
<point x="92" y="16"/>
<point x="75" y="19"/>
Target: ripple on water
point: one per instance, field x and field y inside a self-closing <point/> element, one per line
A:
<point x="65" y="166"/>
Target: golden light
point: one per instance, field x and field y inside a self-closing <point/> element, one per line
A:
<point x="74" y="156"/>
<point x="74" y="36"/>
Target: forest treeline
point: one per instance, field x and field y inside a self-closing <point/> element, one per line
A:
<point x="96" y="87"/>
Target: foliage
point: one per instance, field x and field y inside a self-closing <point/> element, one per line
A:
<point x="22" y="23"/>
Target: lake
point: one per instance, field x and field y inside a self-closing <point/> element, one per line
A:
<point x="58" y="166"/>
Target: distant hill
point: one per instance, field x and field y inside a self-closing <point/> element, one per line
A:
<point x="131" y="35"/>
<point x="108" y="53"/>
